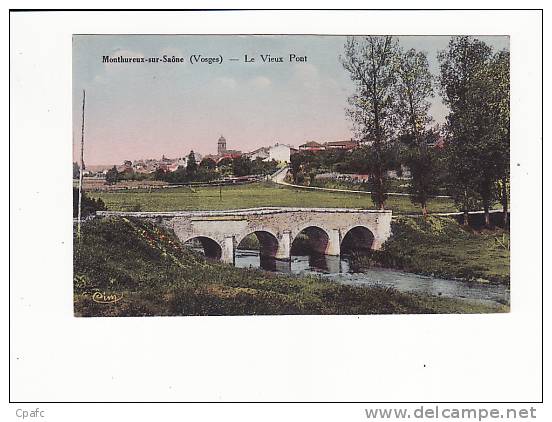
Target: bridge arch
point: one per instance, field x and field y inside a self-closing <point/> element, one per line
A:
<point x="211" y="248"/>
<point x="311" y="238"/>
<point x="357" y="238"/>
<point x="268" y="242"/>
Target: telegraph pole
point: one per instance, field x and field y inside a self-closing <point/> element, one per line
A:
<point x="81" y="168"/>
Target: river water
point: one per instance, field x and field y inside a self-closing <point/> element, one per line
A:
<point x="338" y="269"/>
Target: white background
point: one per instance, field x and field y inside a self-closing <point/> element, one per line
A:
<point x="56" y="357"/>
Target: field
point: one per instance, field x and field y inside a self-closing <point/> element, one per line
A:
<point x="253" y="195"/>
<point x="126" y="267"/>
<point x="97" y="184"/>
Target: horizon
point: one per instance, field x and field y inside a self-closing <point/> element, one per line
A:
<point x="144" y="111"/>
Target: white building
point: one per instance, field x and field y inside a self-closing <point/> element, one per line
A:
<point x="183" y="161"/>
<point x="279" y="152"/>
<point x="261" y="153"/>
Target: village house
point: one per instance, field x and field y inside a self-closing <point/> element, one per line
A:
<point x="342" y="145"/>
<point x="261" y="153"/>
<point x="279" y="153"/>
<point x="312" y="146"/>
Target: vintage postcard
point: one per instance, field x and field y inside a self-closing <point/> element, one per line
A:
<point x="290" y="174"/>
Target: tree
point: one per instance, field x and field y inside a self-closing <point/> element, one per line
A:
<point x="208" y="163"/>
<point x="376" y="160"/>
<point x="241" y="166"/>
<point x="88" y="205"/>
<point x="371" y="63"/>
<point x="159" y="174"/>
<point x="191" y="165"/>
<point x="295" y="162"/>
<point x="499" y="107"/>
<point x="414" y="88"/>
<point x="112" y="176"/>
<point x="423" y="160"/>
<point x="180" y="175"/>
<point x="261" y="167"/>
<point x="472" y="146"/>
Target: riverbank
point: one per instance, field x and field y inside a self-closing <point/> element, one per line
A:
<point x="440" y="247"/>
<point x="125" y="267"/>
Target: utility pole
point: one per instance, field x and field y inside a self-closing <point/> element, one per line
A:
<point x="81" y="169"/>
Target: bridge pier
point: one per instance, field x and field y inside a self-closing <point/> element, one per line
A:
<point x="284" y="246"/>
<point x="334" y="242"/>
<point x="227" y="246"/>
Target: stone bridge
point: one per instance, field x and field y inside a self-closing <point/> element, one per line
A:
<point x="329" y="230"/>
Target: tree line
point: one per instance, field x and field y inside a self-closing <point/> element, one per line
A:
<point x="206" y="170"/>
<point x="389" y="110"/>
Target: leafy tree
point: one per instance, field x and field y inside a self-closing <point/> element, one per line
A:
<point x="424" y="161"/>
<point x="376" y="160"/>
<point x="112" y="176"/>
<point x="261" y="167"/>
<point x="204" y="174"/>
<point x="241" y="166"/>
<point x="224" y="166"/>
<point x="302" y="163"/>
<point x="499" y="108"/>
<point x="88" y="205"/>
<point x="414" y="88"/>
<point x="295" y="163"/>
<point x="180" y="175"/>
<point x="208" y="163"/>
<point x="467" y="90"/>
<point x="191" y="165"/>
<point x="371" y="62"/>
<point x="159" y="174"/>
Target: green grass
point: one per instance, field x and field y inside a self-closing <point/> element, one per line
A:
<point x="252" y="195"/>
<point x="439" y="246"/>
<point x="395" y="185"/>
<point x="149" y="270"/>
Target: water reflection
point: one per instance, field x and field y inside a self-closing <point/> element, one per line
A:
<point x="338" y="269"/>
<point x="316" y="263"/>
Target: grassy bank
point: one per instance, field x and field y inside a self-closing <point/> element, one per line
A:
<point x="142" y="270"/>
<point x="440" y="246"/>
<point x="265" y="194"/>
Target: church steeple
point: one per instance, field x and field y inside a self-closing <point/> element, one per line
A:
<point x="221" y="146"/>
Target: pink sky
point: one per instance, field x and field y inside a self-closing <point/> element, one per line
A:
<point x="141" y="110"/>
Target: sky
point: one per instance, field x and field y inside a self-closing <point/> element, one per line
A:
<point x="146" y="110"/>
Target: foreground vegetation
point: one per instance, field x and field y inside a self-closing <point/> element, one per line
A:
<point x="126" y="267"/>
<point x="266" y="194"/>
<point x="440" y="247"/>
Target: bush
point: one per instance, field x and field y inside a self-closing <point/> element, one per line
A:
<point x="89" y="205"/>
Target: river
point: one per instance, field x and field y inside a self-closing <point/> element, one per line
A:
<point x="338" y="269"/>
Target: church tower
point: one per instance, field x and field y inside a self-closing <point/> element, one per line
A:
<point x="221" y="145"/>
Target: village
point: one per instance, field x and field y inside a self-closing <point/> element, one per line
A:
<point x="281" y="153"/>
